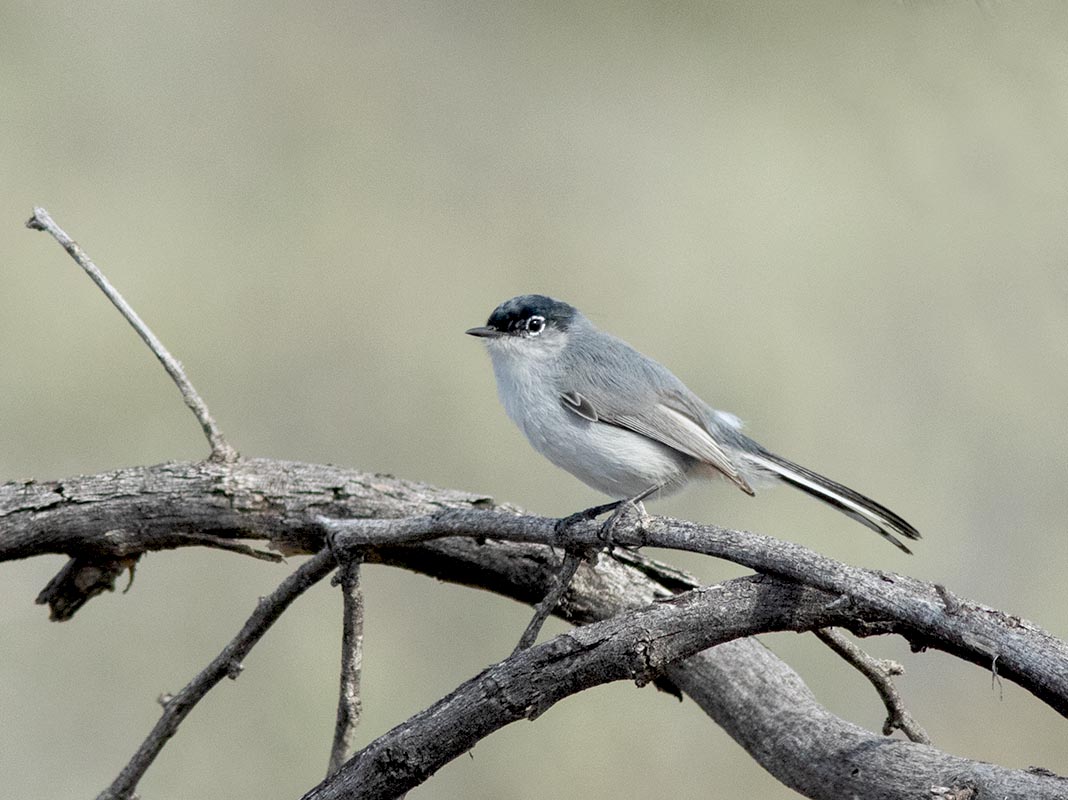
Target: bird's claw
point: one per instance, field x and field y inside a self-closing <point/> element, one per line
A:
<point x="606" y="533"/>
<point x="562" y="525"/>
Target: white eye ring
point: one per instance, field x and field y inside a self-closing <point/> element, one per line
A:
<point x="535" y="325"/>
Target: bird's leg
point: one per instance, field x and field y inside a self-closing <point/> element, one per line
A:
<point x="585" y="515"/>
<point x="621" y="508"/>
<point x="608" y="527"/>
<point x="618" y="509"/>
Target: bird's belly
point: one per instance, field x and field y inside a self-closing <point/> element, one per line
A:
<point x="612" y="460"/>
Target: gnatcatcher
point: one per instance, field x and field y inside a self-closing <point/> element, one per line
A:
<point x="623" y="424"/>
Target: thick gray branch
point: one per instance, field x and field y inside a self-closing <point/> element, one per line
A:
<point x="751" y="693"/>
<point x="122" y="514"/>
<point x="769" y="711"/>
<point x="180" y="504"/>
<point x="636" y="646"/>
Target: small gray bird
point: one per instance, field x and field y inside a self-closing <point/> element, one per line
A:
<point x="623" y="424"/>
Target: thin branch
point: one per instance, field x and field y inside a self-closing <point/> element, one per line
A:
<point x="561" y="581"/>
<point x="636" y="646"/>
<point x="1024" y="653"/>
<point x="349" y="704"/>
<point x="225" y="665"/>
<point x="231" y="546"/>
<point x="879" y="674"/>
<point x="220" y="448"/>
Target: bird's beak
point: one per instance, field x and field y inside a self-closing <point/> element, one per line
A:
<point x="483" y="332"/>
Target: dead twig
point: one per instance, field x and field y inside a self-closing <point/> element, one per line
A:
<point x="561" y="581"/>
<point x="879" y="674"/>
<point x="227" y="664"/>
<point x="349" y="705"/>
<point x="220" y="448"/>
<point x="231" y="546"/>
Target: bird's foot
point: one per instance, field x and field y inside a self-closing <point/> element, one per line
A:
<point x="619" y="509"/>
<point x="608" y="527"/>
<point x="564" y="523"/>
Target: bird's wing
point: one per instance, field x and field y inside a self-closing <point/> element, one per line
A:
<point x="671" y="414"/>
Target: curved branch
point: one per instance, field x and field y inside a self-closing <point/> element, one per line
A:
<point x="639" y="646"/>
<point x="879" y="674"/>
<point x="767" y="709"/>
<point x="174" y="505"/>
<point x="750" y="692"/>
<point x="131" y="511"/>
<point x="124" y="513"/>
<point x="924" y="613"/>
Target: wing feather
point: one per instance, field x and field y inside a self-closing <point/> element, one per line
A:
<point x="668" y="425"/>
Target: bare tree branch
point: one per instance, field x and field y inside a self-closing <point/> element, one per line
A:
<point x="1025" y="654"/>
<point x="879" y="675"/>
<point x="637" y="645"/>
<point x="167" y="506"/>
<point x="568" y="567"/>
<point x="173" y="504"/>
<point x="130" y="511"/>
<point x="766" y="707"/>
<point x="126" y="512"/>
<point x="349" y="704"/>
<point x="220" y="449"/>
<point x="751" y="693"/>
<point x="227" y="664"/>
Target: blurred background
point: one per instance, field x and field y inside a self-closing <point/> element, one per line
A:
<point x="845" y="222"/>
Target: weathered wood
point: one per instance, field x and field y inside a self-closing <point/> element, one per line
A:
<point x="114" y="517"/>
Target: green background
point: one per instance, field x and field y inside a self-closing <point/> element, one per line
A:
<point x="846" y="222"/>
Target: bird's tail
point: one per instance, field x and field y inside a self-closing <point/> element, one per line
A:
<point x="863" y="509"/>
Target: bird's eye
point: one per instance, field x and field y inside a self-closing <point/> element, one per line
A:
<point x="535" y="325"/>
